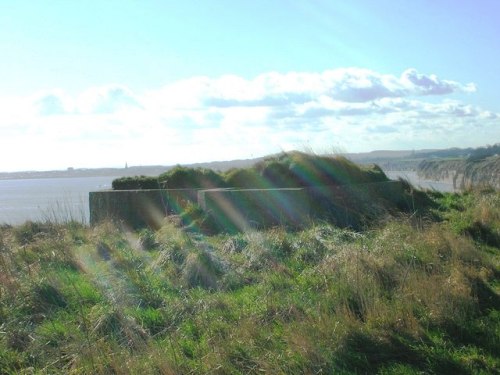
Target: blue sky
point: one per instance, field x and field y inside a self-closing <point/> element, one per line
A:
<point x="102" y="83"/>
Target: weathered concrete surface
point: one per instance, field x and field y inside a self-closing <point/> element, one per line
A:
<point x="242" y="209"/>
<point x="138" y="208"/>
<point x="352" y="205"/>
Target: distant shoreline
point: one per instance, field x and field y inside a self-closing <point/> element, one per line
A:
<point x="148" y="170"/>
<point x="97" y="172"/>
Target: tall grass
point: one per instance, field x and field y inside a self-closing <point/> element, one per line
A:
<point x="65" y="211"/>
<point x="407" y="297"/>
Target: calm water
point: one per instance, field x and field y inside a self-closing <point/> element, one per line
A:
<point x="48" y="198"/>
<point x="413" y="178"/>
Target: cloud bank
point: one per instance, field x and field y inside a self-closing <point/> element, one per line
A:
<point x="202" y="118"/>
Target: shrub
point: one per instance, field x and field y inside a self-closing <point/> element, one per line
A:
<point x="278" y="174"/>
<point x="190" y="178"/>
<point x="135" y="183"/>
<point x="244" y="178"/>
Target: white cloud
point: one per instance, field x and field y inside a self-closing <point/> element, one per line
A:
<point x="201" y="118"/>
<point x="49" y="104"/>
<point x="421" y="84"/>
<point x="107" y="99"/>
<point x="350" y="85"/>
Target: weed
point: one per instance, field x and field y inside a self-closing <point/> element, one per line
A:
<point x="147" y="239"/>
<point x="29" y="231"/>
<point x="200" y="270"/>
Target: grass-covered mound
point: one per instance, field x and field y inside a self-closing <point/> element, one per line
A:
<point x="413" y="296"/>
<point x="297" y="169"/>
<point x="292" y="169"/>
<point x="339" y="191"/>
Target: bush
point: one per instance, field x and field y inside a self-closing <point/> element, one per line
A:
<point x="190" y="178"/>
<point x="135" y="183"/>
<point x="244" y="178"/>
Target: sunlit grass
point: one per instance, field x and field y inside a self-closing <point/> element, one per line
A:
<point x="409" y="296"/>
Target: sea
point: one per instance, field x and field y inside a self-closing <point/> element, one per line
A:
<point x="67" y="199"/>
<point x="42" y="199"/>
<point x="415" y="180"/>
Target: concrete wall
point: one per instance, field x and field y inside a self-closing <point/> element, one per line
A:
<point x="138" y="208"/>
<point x="345" y="205"/>
<point x="241" y="209"/>
<point x="353" y="205"/>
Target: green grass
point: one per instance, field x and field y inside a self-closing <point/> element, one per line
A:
<point x="411" y="296"/>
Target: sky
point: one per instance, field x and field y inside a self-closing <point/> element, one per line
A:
<point x="88" y="84"/>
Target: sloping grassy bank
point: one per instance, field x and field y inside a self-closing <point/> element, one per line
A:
<point x="286" y="170"/>
<point x="413" y="296"/>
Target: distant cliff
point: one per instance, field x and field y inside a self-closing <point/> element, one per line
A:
<point x="463" y="173"/>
